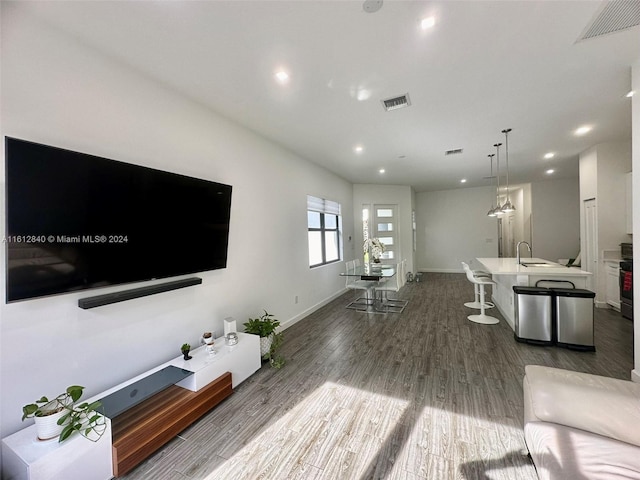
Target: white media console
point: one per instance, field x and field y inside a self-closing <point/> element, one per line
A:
<point x="158" y="418"/>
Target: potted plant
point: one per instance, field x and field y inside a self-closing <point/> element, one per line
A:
<point x="207" y="337"/>
<point x="185" y="348"/>
<point x="61" y="416"/>
<point x="265" y="327"/>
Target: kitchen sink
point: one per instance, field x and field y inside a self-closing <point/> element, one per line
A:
<point x="537" y="264"/>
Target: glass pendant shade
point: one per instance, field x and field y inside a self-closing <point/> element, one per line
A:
<point x="508" y="207"/>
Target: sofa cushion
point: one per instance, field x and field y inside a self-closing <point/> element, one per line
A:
<point x="601" y="405"/>
<point x="564" y="453"/>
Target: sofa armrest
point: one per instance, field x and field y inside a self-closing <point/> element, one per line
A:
<point x="601" y="405"/>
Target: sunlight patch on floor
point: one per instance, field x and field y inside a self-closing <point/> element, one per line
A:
<point x="336" y="431"/>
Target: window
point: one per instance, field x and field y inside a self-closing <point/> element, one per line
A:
<point x="324" y="224"/>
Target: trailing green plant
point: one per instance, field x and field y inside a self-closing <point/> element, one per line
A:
<point x="263" y="326"/>
<point x="275" y="360"/>
<point x="83" y="418"/>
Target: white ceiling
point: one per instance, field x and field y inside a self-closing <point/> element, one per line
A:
<point x="484" y="66"/>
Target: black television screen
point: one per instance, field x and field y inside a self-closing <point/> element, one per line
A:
<point x="77" y="221"/>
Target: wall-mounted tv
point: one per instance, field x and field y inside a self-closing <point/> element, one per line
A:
<point x="77" y="221"/>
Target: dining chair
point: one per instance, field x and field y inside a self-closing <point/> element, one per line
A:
<point x="403" y="273"/>
<point x="393" y="284"/>
<point x="353" y="282"/>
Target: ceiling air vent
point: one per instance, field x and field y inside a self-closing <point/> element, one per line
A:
<point x="613" y="17"/>
<point x="455" y="151"/>
<point x="396" y="102"/>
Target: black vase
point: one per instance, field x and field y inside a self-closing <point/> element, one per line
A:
<point x="186" y="355"/>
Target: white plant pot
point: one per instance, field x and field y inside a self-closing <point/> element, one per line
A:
<point x="265" y="345"/>
<point x="47" y="427"/>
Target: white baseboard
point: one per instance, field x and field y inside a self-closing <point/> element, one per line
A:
<point x="635" y="375"/>
<point x="292" y="321"/>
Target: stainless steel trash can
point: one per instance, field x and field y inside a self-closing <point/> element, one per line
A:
<point x="574" y="318"/>
<point x="534" y="315"/>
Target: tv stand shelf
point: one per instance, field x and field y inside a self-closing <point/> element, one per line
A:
<point x="138" y="431"/>
<point x="141" y="430"/>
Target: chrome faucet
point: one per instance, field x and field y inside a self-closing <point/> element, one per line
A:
<point x="518" y="250"/>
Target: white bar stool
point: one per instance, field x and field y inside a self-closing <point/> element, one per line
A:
<point x="482" y="317"/>
<point x="476" y="288"/>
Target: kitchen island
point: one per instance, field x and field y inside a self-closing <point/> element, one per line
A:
<point x="507" y="272"/>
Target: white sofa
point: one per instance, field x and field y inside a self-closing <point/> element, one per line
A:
<point x="581" y="426"/>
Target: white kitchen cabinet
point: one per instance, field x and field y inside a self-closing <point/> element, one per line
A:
<point x="612" y="270"/>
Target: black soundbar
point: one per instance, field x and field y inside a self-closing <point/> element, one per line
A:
<point x="115" y="297"/>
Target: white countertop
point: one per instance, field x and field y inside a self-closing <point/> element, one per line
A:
<point x="509" y="266"/>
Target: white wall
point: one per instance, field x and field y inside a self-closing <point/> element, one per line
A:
<point x="403" y="197"/>
<point x="58" y="92"/>
<point x="556" y="218"/>
<point x="453" y="227"/>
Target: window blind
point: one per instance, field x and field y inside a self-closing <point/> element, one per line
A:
<point x="322" y="205"/>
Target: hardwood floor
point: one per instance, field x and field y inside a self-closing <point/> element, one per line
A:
<point x="422" y="394"/>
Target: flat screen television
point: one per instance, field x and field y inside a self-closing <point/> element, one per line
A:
<point x="77" y="221"/>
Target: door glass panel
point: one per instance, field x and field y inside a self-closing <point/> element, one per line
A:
<point x="385" y="227"/>
<point x="384" y="212"/>
<point x="388" y="241"/>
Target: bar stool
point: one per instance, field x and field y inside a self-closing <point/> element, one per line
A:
<point x="481" y="282"/>
<point x="476" y="288"/>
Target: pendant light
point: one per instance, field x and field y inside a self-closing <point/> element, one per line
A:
<point x="498" y="209"/>
<point x="508" y="206"/>
<point x="492" y="210"/>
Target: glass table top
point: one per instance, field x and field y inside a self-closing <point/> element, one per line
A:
<point x="372" y="270"/>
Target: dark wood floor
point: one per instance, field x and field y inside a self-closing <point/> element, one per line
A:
<point x="425" y="394"/>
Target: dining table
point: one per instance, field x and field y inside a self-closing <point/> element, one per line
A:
<point x="372" y="272"/>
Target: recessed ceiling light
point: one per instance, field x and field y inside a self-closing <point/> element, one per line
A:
<point x="358" y="149"/>
<point x="427" y="23"/>
<point x="282" y="76"/>
<point x="550" y="171"/>
<point x="583" y="130"/>
<point x="630" y="94"/>
<point x="382" y="170"/>
<point x="549" y="155"/>
<point x="363" y="94"/>
<point x="464" y="180"/>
